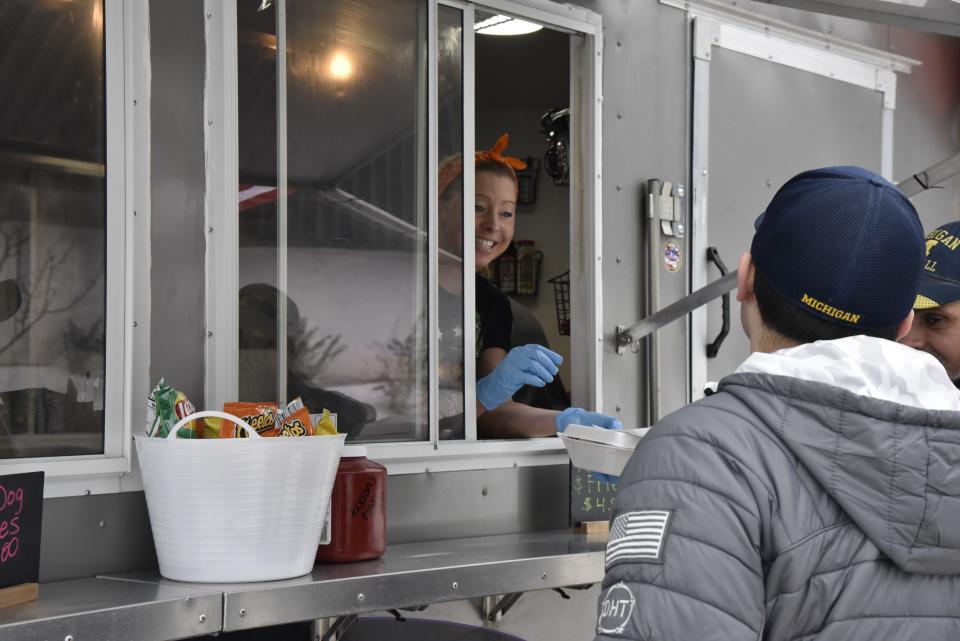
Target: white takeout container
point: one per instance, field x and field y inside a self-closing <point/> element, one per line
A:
<point x="601" y="450"/>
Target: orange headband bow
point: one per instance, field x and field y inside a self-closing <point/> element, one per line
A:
<point x="452" y="168"/>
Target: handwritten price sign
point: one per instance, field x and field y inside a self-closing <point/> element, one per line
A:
<point x="21" y="514"/>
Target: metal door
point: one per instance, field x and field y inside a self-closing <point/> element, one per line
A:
<point x="769" y="122"/>
<point x="770" y="101"/>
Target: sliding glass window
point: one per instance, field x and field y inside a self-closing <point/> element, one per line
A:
<point x="333" y="211"/>
<point x="53" y="228"/>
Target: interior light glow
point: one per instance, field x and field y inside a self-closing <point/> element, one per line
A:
<point x="505" y="26"/>
<point x="340" y="66"/>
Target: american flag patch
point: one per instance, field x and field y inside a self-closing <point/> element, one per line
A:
<point x="637" y="536"/>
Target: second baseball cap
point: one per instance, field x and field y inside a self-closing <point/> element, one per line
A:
<point x="940" y="283"/>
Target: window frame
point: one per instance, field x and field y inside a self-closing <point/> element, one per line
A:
<point x="586" y="58"/>
<point x="126" y="55"/>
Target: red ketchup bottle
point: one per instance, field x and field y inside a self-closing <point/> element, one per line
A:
<point x="358" y="512"/>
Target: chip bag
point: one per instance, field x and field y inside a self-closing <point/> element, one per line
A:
<point x="260" y="416"/>
<point x="295" y="420"/>
<point x="165" y="407"/>
<point x="325" y="425"/>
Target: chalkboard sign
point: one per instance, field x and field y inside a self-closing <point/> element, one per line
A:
<point x="21" y="513"/>
<point x="590" y="499"/>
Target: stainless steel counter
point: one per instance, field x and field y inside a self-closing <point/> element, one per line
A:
<point x="88" y="609"/>
<point x="143" y="605"/>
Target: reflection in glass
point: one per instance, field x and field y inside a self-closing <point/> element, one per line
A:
<point x="52" y="228"/>
<point x="450" y="226"/>
<point x="357" y="215"/>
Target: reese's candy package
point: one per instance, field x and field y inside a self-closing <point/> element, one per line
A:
<point x="165" y="407"/>
<point x="325" y="426"/>
<point x="260" y="416"/>
<point x="295" y="420"/>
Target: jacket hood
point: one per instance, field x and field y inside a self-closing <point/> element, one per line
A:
<point x="878" y="425"/>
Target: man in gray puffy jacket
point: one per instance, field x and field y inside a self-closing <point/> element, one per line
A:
<point x="816" y="495"/>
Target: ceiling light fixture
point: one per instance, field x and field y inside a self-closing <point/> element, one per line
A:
<point x="340" y="66"/>
<point x="505" y="26"/>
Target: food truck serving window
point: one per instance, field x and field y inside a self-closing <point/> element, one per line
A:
<point x="355" y="282"/>
<point x="62" y="238"/>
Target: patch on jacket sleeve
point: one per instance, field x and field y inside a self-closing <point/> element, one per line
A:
<point x="615" y="609"/>
<point x="637" y="536"/>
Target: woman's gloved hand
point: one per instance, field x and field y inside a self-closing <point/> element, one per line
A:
<point x="525" y="365"/>
<point x="578" y="416"/>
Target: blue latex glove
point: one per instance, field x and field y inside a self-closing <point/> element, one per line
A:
<point x="578" y="416"/>
<point x="526" y="365"/>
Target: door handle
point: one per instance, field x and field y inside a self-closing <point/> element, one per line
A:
<point x="712" y="348"/>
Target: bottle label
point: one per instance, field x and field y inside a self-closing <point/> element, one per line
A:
<point x="364" y="505"/>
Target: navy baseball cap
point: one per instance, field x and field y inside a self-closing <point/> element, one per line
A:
<point x="842" y="244"/>
<point x="940" y="283"/>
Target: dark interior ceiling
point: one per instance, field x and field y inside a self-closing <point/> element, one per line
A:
<point x="523" y="72"/>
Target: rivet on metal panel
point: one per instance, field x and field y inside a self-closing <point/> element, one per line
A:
<point x="619" y="116"/>
<point x="69" y="637"/>
<point x="101" y="524"/>
<point x="86" y="492"/>
<point x="134" y="103"/>
<point x="360" y="597"/>
<point x="210" y="121"/>
<point x="618" y="408"/>
<point x="515" y="464"/>
<point x="186" y="599"/>
<point x="134" y="323"/>
<point x="209" y="334"/>
<point x="210" y="230"/>
<point x="704" y="172"/>
<point x="484" y="492"/>
<point x="544" y="576"/>
<point x="769" y="183"/>
<point x="243" y="612"/>
<point x="619" y="43"/>
<point x="454" y="585"/>
<point x="202" y="618"/>
<point x="619" y="259"/>
<point x="619" y="187"/>
<point x="134" y="212"/>
<point x="599" y="258"/>
<point x="209" y="15"/>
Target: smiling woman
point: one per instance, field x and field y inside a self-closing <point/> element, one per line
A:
<point x="495" y="208"/>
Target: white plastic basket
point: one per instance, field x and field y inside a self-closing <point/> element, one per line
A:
<point x="237" y="509"/>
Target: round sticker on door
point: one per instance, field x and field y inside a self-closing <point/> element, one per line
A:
<point x="672" y="258"/>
